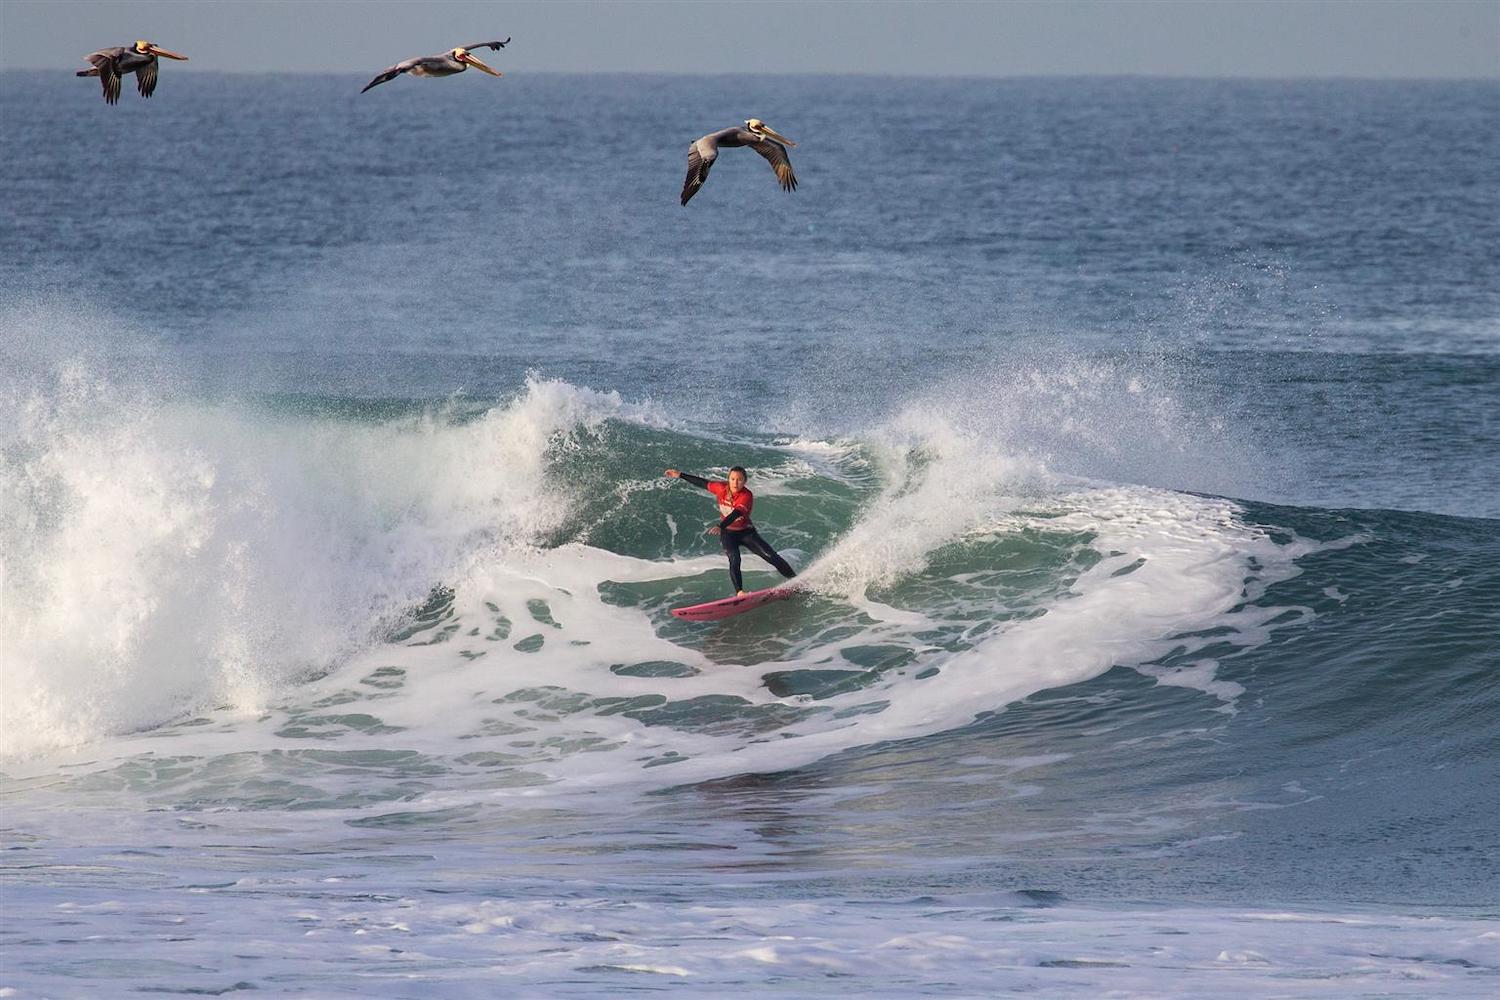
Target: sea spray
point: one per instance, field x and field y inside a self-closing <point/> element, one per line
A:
<point x="165" y="554"/>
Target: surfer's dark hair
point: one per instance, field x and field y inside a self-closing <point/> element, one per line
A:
<point x="740" y="469"/>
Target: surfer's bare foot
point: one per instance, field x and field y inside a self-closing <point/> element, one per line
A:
<point x="740" y="593"/>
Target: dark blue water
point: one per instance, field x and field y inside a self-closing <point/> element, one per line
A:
<point x="1139" y="440"/>
<point x="1249" y="237"/>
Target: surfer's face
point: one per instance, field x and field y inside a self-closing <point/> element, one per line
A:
<point x="736" y="481"/>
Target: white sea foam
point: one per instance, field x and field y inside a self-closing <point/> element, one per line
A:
<point x="162" y="555"/>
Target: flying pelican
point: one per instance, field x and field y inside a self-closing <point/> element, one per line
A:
<point x="450" y="62"/>
<point x="140" y="59"/>
<point x="757" y="135"/>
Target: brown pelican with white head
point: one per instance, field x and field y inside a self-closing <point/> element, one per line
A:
<point x="112" y="64"/>
<point x="754" y="133"/>
<point x="450" y="62"/>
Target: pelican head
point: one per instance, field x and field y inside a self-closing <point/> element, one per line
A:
<point x="470" y="59"/>
<point x="146" y="48"/>
<point x="762" y="129"/>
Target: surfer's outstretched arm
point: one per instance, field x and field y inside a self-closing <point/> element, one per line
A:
<point x="697" y="481"/>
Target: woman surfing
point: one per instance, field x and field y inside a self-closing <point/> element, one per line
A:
<point x="734" y="528"/>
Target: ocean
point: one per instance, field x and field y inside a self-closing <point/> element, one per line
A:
<point x="1138" y="442"/>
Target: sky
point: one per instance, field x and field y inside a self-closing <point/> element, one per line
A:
<point x="1228" y="38"/>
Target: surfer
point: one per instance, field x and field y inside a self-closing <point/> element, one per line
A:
<point x="734" y="528"/>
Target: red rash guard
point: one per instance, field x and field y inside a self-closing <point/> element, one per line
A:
<point x="742" y="502"/>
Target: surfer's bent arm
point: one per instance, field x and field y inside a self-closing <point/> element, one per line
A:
<point x="732" y="516"/>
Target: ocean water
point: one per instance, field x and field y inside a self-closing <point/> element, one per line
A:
<point x="1138" y="442"/>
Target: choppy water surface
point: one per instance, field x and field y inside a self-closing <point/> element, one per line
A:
<point x="1136" y="440"/>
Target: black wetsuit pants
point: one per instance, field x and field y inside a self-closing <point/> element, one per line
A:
<point x="751" y="540"/>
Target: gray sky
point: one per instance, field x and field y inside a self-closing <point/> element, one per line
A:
<point x="1275" y="38"/>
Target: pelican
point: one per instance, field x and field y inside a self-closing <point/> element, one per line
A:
<point x="757" y="135"/>
<point x="450" y="62"/>
<point x="111" y="64"/>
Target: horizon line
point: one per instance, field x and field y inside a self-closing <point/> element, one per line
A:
<point x="852" y="74"/>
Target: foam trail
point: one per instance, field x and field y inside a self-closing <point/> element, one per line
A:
<point x="1194" y="560"/>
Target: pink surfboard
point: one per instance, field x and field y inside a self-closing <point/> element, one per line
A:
<point x="728" y="607"/>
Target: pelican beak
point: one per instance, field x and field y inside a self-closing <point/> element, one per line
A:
<point x="771" y="133"/>
<point x="474" y="61"/>
<point x="157" y="50"/>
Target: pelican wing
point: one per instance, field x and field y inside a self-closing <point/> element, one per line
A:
<point x="105" y="63"/>
<point x="697" y="172"/>
<point x="145" y="78"/>
<point x="404" y="66"/>
<point x="493" y="46"/>
<point x="775" y="154"/>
